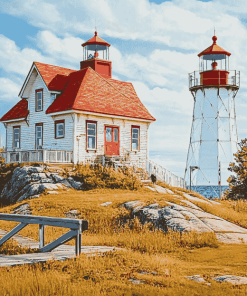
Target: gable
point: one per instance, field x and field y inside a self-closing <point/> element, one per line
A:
<point x="54" y="78"/>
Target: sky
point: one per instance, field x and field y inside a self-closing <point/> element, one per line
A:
<point x="154" y="45"/>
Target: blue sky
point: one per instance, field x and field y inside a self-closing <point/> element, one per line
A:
<point x="154" y="46"/>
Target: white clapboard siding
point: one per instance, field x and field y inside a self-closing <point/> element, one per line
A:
<point x="28" y="129"/>
<point x="124" y="125"/>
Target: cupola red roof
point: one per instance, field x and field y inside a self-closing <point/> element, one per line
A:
<point x="96" y="40"/>
<point x="214" y="49"/>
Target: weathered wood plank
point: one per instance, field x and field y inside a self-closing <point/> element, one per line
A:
<point x="18" y="228"/>
<point x="61" y="240"/>
<point x="51" y="221"/>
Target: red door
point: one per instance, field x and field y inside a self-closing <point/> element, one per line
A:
<point x="111" y="140"/>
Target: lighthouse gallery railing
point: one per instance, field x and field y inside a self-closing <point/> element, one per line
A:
<point x="233" y="79"/>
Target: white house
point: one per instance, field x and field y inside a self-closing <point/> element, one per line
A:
<point x="69" y="115"/>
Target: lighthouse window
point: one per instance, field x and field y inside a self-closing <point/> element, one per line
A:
<point x="135" y="138"/>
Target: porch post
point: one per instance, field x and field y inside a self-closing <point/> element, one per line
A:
<point x="8" y="157"/>
<point x="44" y="156"/>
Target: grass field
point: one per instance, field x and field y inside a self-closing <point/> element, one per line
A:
<point x="160" y="261"/>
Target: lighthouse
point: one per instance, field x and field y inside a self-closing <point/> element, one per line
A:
<point x="213" y="138"/>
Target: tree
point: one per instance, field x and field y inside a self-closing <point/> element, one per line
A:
<point x="238" y="181"/>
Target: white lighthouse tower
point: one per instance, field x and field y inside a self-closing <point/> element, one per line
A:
<point x="213" y="139"/>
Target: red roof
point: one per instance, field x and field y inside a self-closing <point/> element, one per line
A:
<point x="54" y="77"/>
<point x="20" y="110"/>
<point x="85" y="90"/>
<point x="214" y="49"/>
<point x="96" y="40"/>
<point x="88" y="91"/>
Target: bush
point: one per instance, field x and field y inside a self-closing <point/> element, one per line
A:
<point x="238" y="181"/>
<point x="98" y="176"/>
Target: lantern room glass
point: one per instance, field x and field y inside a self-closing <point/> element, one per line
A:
<point x="92" y="51"/>
<point x="206" y="61"/>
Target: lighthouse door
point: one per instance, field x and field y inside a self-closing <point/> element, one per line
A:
<point x="111" y="140"/>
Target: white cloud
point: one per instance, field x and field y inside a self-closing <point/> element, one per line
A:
<point x="38" y="13"/>
<point x="9" y="90"/>
<point x="16" y="60"/>
<point x="68" y="48"/>
<point x="125" y="19"/>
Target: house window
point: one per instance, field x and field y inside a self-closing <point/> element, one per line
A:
<point x="135" y="138"/>
<point x="17" y="137"/>
<point x="39" y="135"/>
<point x="59" y="129"/>
<point x="91" y="135"/>
<point x="39" y="100"/>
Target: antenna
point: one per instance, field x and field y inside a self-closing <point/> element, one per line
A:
<point x="214" y="31"/>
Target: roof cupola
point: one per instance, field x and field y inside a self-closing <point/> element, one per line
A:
<point x="96" y="56"/>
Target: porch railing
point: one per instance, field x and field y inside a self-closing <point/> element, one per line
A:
<point x="46" y="156"/>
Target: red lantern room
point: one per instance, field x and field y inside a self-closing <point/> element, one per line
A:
<point x="96" y="56"/>
<point x="214" y="65"/>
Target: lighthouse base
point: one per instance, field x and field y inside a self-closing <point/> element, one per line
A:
<point x="210" y="192"/>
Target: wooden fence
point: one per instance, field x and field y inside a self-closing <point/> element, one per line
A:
<point x="77" y="226"/>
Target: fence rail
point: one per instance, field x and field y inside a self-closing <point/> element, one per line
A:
<point x="46" y="156"/>
<point x="163" y="174"/>
<point x="76" y="229"/>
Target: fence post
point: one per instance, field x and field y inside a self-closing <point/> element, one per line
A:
<point x="78" y="243"/>
<point x="41" y="235"/>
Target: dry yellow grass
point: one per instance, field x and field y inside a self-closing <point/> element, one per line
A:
<point x="110" y="274"/>
<point x="170" y="257"/>
<point x="11" y="247"/>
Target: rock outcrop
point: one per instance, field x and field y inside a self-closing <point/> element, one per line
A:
<point x="185" y="219"/>
<point x="29" y="182"/>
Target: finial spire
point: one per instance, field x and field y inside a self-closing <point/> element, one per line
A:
<point x="214" y="37"/>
